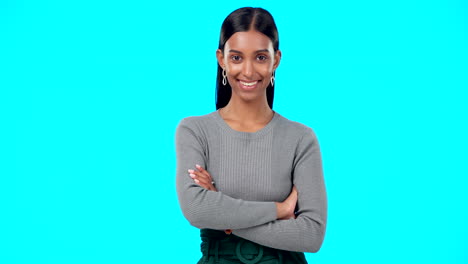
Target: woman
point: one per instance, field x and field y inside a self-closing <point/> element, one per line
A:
<point x="249" y="178"/>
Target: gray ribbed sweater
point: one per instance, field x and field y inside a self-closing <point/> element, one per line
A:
<point x="251" y="172"/>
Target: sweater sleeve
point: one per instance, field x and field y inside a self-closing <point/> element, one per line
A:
<point x="306" y="232"/>
<point x="208" y="209"/>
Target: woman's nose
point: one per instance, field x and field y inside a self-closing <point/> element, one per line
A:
<point x="247" y="69"/>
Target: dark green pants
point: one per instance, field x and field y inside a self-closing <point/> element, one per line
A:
<point x="217" y="247"/>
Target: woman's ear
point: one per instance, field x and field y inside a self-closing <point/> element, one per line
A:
<point x="220" y="58"/>
<point x="277" y="59"/>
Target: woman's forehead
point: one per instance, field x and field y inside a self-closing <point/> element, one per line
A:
<point x="248" y="41"/>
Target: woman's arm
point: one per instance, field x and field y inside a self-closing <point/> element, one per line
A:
<point x="210" y="209"/>
<point x="307" y="231"/>
<point x="284" y="210"/>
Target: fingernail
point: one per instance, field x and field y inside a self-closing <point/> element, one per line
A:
<point x="192" y="175"/>
<point x="190" y="171"/>
<point x="197" y="181"/>
<point x="198" y="166"/>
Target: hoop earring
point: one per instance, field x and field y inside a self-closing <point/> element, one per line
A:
<point x="272" y="80"/>
<point x="224" y="77"/>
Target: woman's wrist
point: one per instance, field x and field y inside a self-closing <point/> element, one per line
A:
<point x="280" y="212"/>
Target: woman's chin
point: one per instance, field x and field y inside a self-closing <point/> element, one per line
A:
<point x="250" y="98"/>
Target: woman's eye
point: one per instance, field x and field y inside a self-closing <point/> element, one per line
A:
<point x="235" y="58"/>
<point x="262" y="57"/>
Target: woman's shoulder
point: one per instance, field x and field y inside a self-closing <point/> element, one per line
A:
<point x="197" y="120"/>
<point x="294" y="126"/>
<point x="298" y="132"/>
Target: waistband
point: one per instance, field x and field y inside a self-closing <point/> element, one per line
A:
<point x="217" y="243"/>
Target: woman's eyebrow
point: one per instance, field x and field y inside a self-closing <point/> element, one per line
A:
<point x="240" y="52"/>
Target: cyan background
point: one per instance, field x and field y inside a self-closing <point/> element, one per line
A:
<point x="92" y="91"/>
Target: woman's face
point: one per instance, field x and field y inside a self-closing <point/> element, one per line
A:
<point x="249" y="60"/>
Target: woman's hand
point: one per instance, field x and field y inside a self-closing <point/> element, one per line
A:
<point x="202" y="178"/>
<point x="285" y="210"/>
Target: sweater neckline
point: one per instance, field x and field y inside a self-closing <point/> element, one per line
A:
<point x="241" y="134"/>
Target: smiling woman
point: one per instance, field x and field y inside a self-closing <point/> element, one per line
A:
<point x="248" y="177"/>
<point x="247" y="34"/>
<point x="250" y="61"/>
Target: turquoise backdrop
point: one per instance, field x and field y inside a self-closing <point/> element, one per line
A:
<point x="91" y="93"/>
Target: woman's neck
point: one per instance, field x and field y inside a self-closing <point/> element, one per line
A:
<point x="247" y="112"/>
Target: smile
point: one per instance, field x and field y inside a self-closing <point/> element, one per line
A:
<point x="248" y="85"/>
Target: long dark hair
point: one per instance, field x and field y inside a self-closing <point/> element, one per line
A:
<point x="242" y="20"/>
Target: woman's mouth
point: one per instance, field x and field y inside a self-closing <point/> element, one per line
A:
<point x="248" y="85"/>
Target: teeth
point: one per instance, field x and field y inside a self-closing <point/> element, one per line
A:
<point x="248" y="84"/>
